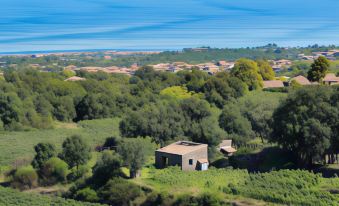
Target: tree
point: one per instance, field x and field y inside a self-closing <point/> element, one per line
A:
<point x="235" y="124"/>
<point x="107" y="167"/>
<point x="265" y="70"/>
<point x="54" y="170"/>
<point x="75" y="151"/>
<point x="302" y="124"/>
<point x="318" y="69"/>
<point x="248" y="71"/>
<point x="44" y="151"/>
<point x="162" y="121"/>
<point x="134" y="153"/>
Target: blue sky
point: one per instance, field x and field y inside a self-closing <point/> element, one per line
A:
<point x="32" y="25"/>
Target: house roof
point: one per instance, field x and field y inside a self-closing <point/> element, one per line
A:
<point x="228" y="149"/>
<point x="301" y="80"/>
<point x="75" y="78"/>
<point x="273" y="84"/>
<point x="226" y="146"/>
<point x="331" y="78"/>
<point x="182" y="147"/>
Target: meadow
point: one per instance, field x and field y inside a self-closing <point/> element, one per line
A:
<point x="20" y="145"/>
<point x="287" y="187"/>
<point x="13" y="197"/>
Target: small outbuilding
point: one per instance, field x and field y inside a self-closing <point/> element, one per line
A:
<point x="226" y="148"/>
<point x="185" y="154"/>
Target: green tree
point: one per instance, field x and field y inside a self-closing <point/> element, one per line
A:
<point x="235" y="124"/>
<point x="44" y="151"/>
<point x="107" y="167"/>
<point x="318" y="69"/>
<point x="134" y="153"/>
<point x="302" y="124"/>
<point x="248" y="71"/>
<point x="265" y="70"/>
<point x="75" y="151"/>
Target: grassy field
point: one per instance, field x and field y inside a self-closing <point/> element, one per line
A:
<point x="18" y="145"/>
<point x="286" y="187"/>
<point x="12" y="197"/>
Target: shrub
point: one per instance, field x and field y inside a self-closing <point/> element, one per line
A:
<point x="25" y="178"/>
<point x="119" y="192"/>
<point x="82" y="172"/>
<point x="54" y="170"/>
<point x="87" y="194"/>
<point x="205" y="199"/>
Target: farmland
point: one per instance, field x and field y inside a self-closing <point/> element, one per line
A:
<point x="22" y="142"/>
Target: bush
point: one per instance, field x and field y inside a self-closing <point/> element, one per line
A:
<point x="53" y="171"/>
<point x="119" y="192"/>
<point x="87" y="194"/>
<point x="82" y="172"/>
<point x="205" y="199"/>
<point x="25" y="178"/>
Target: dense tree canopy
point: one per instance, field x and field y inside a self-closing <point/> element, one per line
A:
<point x="248" y="71"/>
<point x="265" y="70"/>
<point x="306" y="123"/>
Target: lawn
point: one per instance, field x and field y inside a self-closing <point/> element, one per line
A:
<point x="19" y="145"/>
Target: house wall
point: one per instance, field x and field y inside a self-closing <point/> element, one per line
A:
<point x="173" y="159"/>
<point x="198" y="154"/>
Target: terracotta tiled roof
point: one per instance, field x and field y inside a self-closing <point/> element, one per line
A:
<point x="75" y="78"/>
<point x="273" y="84"/>
<point x="331" y="78"/>
<point x="182" y="147"/>
<point x="301" y="80"/>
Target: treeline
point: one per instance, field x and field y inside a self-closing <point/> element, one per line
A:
<point x="30" y="98"/>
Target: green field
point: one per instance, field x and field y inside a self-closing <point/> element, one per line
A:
<point x="19" y="145"/>
<point x="10" y="197"/>
<point x="287" y="187"/>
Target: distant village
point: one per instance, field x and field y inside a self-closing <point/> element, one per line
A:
<point x="209" y="67"/>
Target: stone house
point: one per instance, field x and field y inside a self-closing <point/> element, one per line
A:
<point x="187" y="155"/>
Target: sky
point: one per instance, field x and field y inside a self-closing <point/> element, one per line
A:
<point x="46" y="25"/>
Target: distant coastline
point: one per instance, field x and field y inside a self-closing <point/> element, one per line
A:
<point x="20" y="53"/>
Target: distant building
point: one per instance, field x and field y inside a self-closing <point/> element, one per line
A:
<point x="74" y="79"/>
<point x="107" y="57"/>
<point x="187" y="155"/>
<point x="226" y="148"/>
<point x="273" y="84"/>
<point x="331" y="79"/>
<point x="301" y="80"/>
